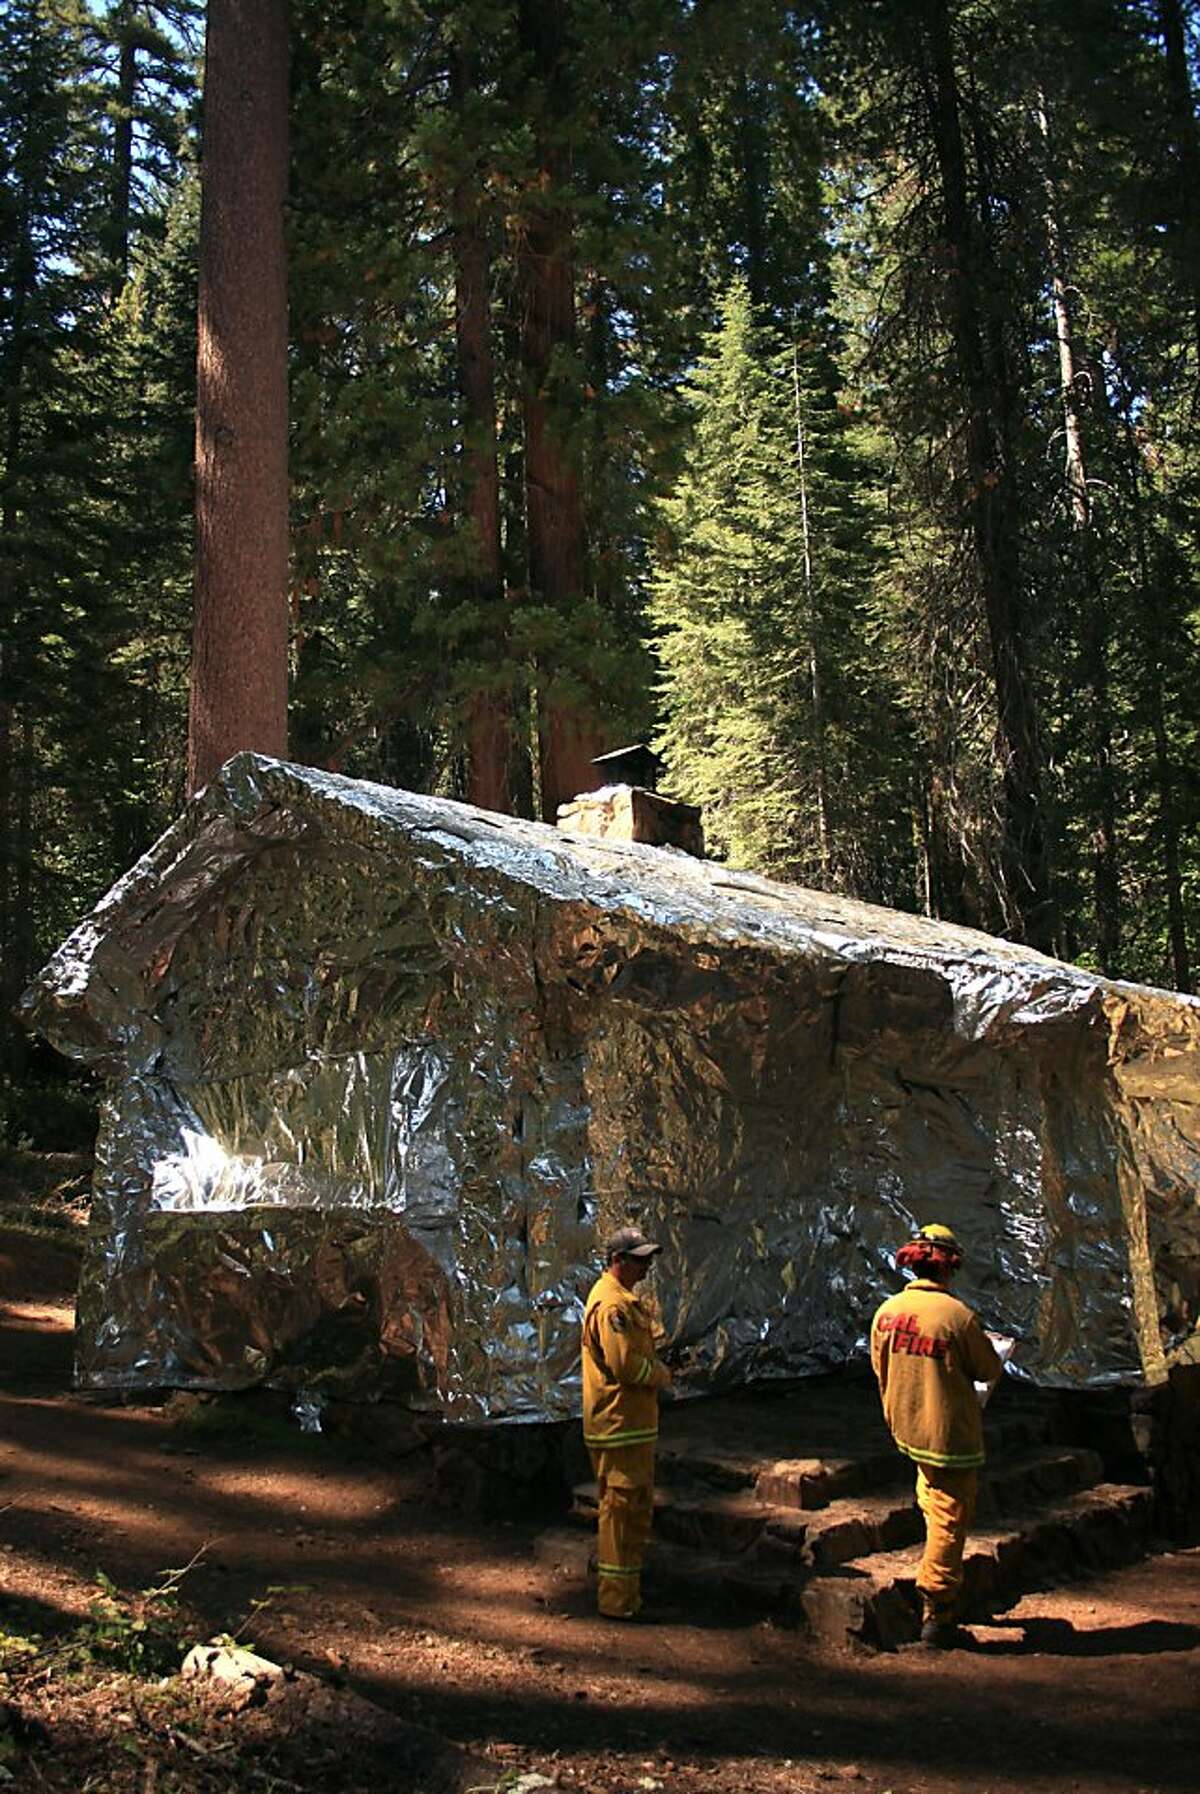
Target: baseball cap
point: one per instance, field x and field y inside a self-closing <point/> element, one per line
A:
<point x="630" y="1242"/>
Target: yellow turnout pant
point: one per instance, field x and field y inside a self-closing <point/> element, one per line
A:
<point x="625" y="1477"/>
<point x="947" y="1500"/>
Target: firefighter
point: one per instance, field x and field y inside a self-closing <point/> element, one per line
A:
<point x="622" y="1375"/>
<point x="928" y="1351"/>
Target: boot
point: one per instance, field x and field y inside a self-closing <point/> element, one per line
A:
<point x="939" y="1627"/>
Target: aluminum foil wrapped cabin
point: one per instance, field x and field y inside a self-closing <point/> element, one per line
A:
<point x="384" y="1069"/>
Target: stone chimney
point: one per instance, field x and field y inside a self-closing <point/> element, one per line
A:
<point x="628" y="808"/>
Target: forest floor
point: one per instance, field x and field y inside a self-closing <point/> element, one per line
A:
<point x="430" y="1650"/>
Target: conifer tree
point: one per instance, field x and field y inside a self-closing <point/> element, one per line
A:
<point x="715" y="605"/>
<point x="948" y="433"/>
<point x="568" y="727"/>
<point x="47" y="221"/>
<point x="771" y="707"/>
<point x="140" y="54"/>
<point x="740" y="154"/>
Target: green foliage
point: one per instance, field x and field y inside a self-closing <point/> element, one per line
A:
<point x="17" y="1648"/>
<point x="137" y="1634"/>
<point x="830" y="656"/>
<point x="773" y="705"/>
<point x="1054" y="112"/>
<point x="134" y="1633"/>
<point x="95" y="475"/>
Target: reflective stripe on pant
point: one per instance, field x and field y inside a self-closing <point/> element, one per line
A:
<point x="947" y="1500"/>
<point x="625" y="1478"/>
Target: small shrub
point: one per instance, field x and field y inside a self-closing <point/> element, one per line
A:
<point x="137" y="1633"/>
<point x="16" y="1648"/>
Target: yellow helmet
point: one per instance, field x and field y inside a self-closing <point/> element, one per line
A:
<point x="933" y="1247"/>
<point x="942" y="1235"/>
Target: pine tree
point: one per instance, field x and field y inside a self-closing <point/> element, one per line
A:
<point x="47" y="220"/>
<point x="741" y="144"/>
<point x="139" y="55"/>
<point x="772" y="712"/>
<point x="717" y="602"/>
<point x="388" y="444"/>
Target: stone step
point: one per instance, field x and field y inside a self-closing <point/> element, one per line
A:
<point x="865" y="1461"/>
<point x="741" y="1525"/>
<point x="1041" y="1473"/>
<point x="861" y="1526"/>
<point x="873" y="1601"/>
<point x="828" y="1536"/>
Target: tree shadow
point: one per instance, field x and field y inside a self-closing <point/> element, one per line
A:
<point x="665" y="1606"/>
<point x="1060" y="1638"/>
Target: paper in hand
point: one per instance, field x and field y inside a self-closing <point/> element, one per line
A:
<point x="1004" y="1348"/>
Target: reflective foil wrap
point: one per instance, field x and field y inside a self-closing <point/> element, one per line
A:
<point x="385" y="1069"/>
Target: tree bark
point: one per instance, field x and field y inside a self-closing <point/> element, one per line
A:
<point x="1187" y="150"/>
<point x="1095" y="631"/>
<point x="17" y="908"/>
<point x="1076" y="475"/>
<point x="490" y="744"/>
<point x="1150" y="614"/>
<point x="816" y="703"/>
<point x="16" y="923"/>
<point x="515" y="547"/>
<point x="752" y="151"/>
<point x="240" y="639"/>
<point x="569" y="732"/>
<point x="12" y="971"/>
<point x="6" y="853"/>
<point x="122" y="188"/>
<point x="974" y="281"/>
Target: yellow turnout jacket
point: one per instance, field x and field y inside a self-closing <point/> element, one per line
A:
<point x="622" y="1374"/>
<point x="928" y="1351"/>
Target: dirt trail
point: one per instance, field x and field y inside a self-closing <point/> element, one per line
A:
<point x="452" y="1622"/>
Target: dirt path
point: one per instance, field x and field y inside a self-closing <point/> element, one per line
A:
<point x="454" y="1623"/>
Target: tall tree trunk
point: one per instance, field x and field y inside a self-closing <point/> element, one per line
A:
<point x="17" y="916"/>
<point x="922" y="847"/>
<point x="490" y="745"/>
<point x="240" y="640"/>
<point x="24" y="926"/>
<point x="992" y="501"/>
<point x="1076" y="473"/>
<point x="951" y="880"/>
<point x="15" y="927"/>
<point x="526" y="785"/>
<point x="568" y="729"/>
<point x="600" y="364"/>
<point x="754" y="177"/>
<point x="816" y="704"/>
<point x="1095" y="632"/>
<point x="19" y="941"/>
<point x="1150" y="615"/>
<point x="6" y="848"/>
<point x="12" y="974"/>
<point x="122" y="178"/>
<point x="1186" y="135"/>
